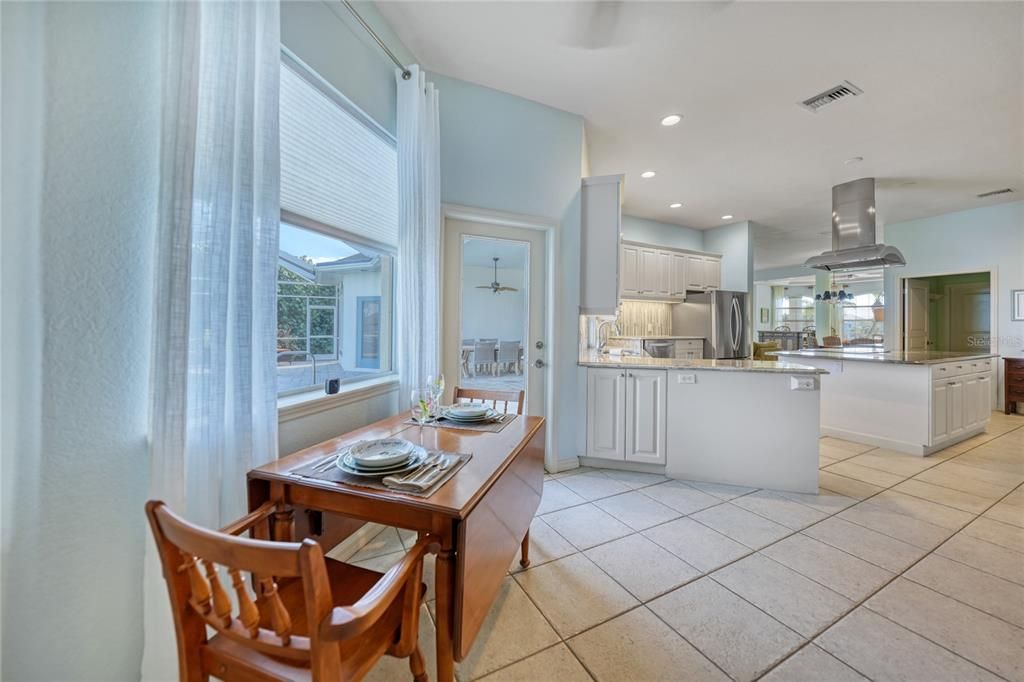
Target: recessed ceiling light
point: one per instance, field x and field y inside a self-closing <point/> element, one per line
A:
<point x="675" y="205"/>
<point x="671" y="120"/>
<point x="853" y="159"/>
<point x="727" y="217"/>
<point x="648" y="174"/>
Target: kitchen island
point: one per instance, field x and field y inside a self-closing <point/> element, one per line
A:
<point x="740" y="422"/>
<point x="916" y="402"/>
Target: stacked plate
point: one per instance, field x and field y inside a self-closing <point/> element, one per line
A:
<point x="470" y="414"/>
<point x="381" y="457"/>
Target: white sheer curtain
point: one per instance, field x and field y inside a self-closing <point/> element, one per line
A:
<point x="419" y="232"/>
<point x="214" y="410"/>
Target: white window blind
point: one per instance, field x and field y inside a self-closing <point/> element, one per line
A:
<point x="337" y="167"/>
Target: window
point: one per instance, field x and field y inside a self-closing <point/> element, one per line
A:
<point x="339" y="217"/>
<point x="863" y="319"/>
<point x="794" y="307"/>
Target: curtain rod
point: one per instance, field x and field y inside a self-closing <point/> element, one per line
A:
<point x="406" y="73"/>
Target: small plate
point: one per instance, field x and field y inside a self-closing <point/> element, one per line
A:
<point x="385" y="452"/>
<point x="345" y="464"/>
<point x="488" y="416"/>
<point x="468" y="411"/>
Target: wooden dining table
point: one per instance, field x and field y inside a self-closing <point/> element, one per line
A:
<point x="481" y="516"/>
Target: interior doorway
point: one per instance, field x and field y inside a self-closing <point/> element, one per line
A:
<point x="951" y="313"/>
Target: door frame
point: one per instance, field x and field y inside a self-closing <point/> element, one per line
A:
<point x="552" y="313"/>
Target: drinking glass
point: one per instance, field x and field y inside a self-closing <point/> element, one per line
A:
<point x="436" y="386"/>
<point x="421" y="405"/>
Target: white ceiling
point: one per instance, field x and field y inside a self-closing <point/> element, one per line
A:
<point x="940" y="119"/>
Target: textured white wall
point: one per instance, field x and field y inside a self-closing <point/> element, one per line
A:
<point x="76" y="520"/>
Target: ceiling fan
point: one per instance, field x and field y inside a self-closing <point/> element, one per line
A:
<point x="495" y="286"/>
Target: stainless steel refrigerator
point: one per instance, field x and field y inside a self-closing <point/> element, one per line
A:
<point x="721" y="317"/>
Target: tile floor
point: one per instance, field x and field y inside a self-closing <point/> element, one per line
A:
<point x="901" y="568"/>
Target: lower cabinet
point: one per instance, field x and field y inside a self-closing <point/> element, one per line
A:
<point x="626" y="414"/>
<point x="959" y="404"/>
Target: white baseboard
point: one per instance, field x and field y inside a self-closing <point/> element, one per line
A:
<point x="600" y="463"/>
<point x="898" y="445"/>
<point x="565" y="464"/>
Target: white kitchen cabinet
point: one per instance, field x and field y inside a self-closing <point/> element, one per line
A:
<point x="645" y="415"/>
<point x="984" y="397"/>
<point x="606" y="417"/>
<point x="630" y="274"/>
<point x="626" y="414"/>
<point x="650" y="272"/>
<point x="600" y="234"/>
<point x="956" y="408"/>
<point x="678" y="276"/>
<point x="694" y="272"/>
<point x="689" y="349"/>
<point x="664" y="287"/>
<point x="940" y="412"/>
<point x="712" y="273"/>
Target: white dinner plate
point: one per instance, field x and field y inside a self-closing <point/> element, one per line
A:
<point x="346" y="464"/>
<point x="381" y="453"/>
<point x="488" y="416"/>
<point x="468" y="411"/>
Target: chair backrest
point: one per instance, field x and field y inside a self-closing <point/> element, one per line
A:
<point x="782" y="328"/>
<point x="832" y="342"/>
<point x="468" y="342"/>
<point x="483" y="351"/>
<point x="508" y="351"/>
<point x="195" y="561"/>
<point x="809" y="328"/>
<point x="473" y="395"/>
<point x="494" y="340"/>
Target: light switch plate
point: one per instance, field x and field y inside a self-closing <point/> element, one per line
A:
<point x="803" y="383"/>
<point x="686" y="378"/>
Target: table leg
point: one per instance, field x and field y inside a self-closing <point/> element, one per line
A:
<point x="524" y="560"/>
<point x="444" y="588"/>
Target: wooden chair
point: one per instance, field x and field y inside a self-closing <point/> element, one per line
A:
<point x="508" y="356"/>
<point x="471" y="395"/>
<point x="312" y="619"/>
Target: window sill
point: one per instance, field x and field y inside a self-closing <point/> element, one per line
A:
<point x="312" y="402"/>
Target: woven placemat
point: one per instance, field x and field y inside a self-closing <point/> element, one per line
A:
<point x="499" y="423"/>
<point x="335" y="475"/>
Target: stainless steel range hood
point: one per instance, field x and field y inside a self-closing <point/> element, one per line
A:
<point x="853" y="232"/>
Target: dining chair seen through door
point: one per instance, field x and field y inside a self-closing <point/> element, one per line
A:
<point x="312" y="618"/>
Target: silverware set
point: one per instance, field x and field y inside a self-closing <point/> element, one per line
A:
<point x="435" y="464"/>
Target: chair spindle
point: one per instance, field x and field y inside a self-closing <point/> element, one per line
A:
<point x="221" y="600"/>
<point x="248" y="614"/>
<point x="279" y="617"/>
<point x="200" y="588"/>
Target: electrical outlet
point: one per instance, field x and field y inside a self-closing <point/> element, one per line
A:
<point x="686" y="378"/>
<point x="803" y="383"/>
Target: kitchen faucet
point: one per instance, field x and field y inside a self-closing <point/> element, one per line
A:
<point x="601" y="326"/>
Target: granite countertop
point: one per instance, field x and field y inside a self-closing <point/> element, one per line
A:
<point x="896" y="357"/>
<point x="594" y="359"/>
<point x="654" y="337"/>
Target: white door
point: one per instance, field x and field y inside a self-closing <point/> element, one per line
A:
<point x="694" y="272"/>
<point x="606" y="419"/>
<point x="970" y="317"/>
<point x="474" y="312"/>
<point x="915" y="315"/>
<point x="630" y="271"/>
<point x="678" y="275"/>
<point x="646" y="390"/>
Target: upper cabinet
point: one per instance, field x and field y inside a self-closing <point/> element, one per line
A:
<point x="653" y="272"/>
<point x="601" y="264"/>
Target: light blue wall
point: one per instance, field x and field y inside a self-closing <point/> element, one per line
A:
<point x="662" y="234"/>
<point x="506" y="153"/>
<point x="735" y="244"/>
<point x="72" y="564"/>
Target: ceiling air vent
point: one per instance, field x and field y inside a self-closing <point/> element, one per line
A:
<point x="833" y="94"/>
<point x="995" y="193"/>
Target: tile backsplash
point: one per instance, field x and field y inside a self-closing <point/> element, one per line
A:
<point x="640" y="318"/>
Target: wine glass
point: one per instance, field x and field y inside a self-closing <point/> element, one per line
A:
<point x="421" y="405"/>
<point x="436" y="386"/>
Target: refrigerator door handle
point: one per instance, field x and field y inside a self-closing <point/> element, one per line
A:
<point x="737" y="325"/>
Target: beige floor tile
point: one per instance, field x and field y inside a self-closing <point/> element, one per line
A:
<point x="556" y="496"/>
<point x="991" y="462"/>
<point x="383" y="563"/>
<point x="986" y="592"/>
<point x="634" y="479"/>
<point x="865" y="474"/>
<point x="998" y="533"/>
<point x="574" y="594"/>
<point x="1007" y="513"/>
<point x="740" y="638"/>
<point x="513" y="629"/>
<point x="545" y="545"/>
<point x="641" y="566"/>
<point x="824" y="461"/>
<point x="838" y="454"/>
<point x="586" y="525"/>
<point x="872" y="546"/>
<point x="1016" y="498"/>
<point x="696" y="544"/>
<point x="683" y="498"/>
<point x="946" y="496"/>
<point x="969" y="480"/>
<point x="813" y="664"/>
<point x="594" y="485"/>
<point x="845" y="445"/>
<point x="388" y="541"/>
<point x="780" y="509"/>
<point x="883" y="650"/>
<point x="639" y="646"/>
<point x="389" y="669"/>
<point x="636" y="510"/>
<point x="844" y="573"/>
<point x="843" y="485"/>
<point x="720" y="490"/>
<point x="918" y="508"/>
<point x="999" y="561"/>
<point x="555" y="663"/>
<point x="742" y="526"/>
<point x="989" y="642"/>
<point x="898" y="463"/>
<point x="784" y="594"/>
<point x="895" y="524"/>
<point x="825" y="501"/>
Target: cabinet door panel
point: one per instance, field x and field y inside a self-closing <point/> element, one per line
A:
<point x="678" y="275"/>
<point x="940" y="412"/>
<point x="649" y="275"/>
<point x="971" y="400"/>
<point x="956" y="408"/>
<point x="630" y="276"/>
<point x="712" y="273"/>
<point x="645" y="416"/>
<point x="664" y="274"/>
<point x="606" y="393"/>
<point x="694" y="272"/>
<point x="985" y="397"/>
